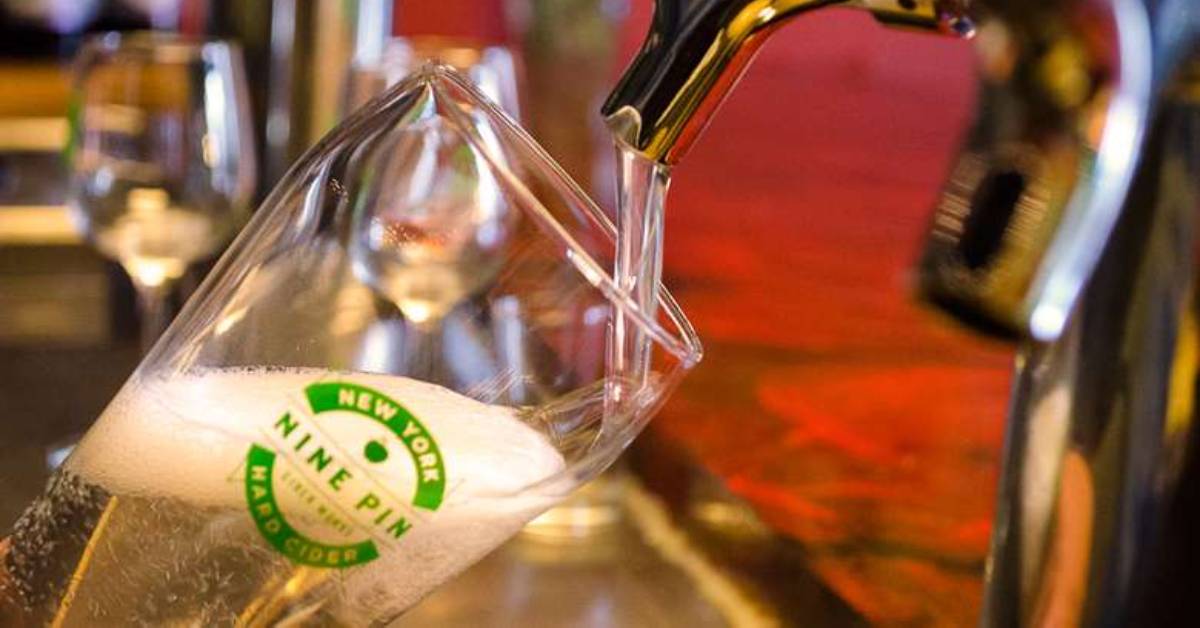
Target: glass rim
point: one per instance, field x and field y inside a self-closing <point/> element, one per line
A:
<point x="162" y="46"/>
<point x="685" y="345"/>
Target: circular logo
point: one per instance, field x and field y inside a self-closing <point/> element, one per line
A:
<point x="346" y="471"/>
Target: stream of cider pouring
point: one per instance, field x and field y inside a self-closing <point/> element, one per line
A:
<point x="641" y="196"/>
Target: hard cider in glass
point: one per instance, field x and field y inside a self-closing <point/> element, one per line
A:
<point x="402" y="359"/>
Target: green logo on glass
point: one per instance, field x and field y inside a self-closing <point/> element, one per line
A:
<point x="328" y="488"/>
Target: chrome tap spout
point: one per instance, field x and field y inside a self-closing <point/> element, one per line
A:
<point x="697" y="49"/>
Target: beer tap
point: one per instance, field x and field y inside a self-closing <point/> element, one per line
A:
<point x="1067" y="223"/>
<point x="697" y="49"/>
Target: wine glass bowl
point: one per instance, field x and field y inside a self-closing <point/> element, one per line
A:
<point x="432" y="242"/>
<point x="161" y="155"/>
<point x="435" y="228"/>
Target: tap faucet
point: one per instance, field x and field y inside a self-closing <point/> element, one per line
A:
<point x="697" y="49"/>
<point x="1067" y="223"/>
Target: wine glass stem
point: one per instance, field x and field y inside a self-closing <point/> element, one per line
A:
<point x="155" y="310"/>
<point x="422" y="353"/>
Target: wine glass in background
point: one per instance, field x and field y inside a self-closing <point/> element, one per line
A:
<point x="420" y="252"/>
<point x="161" y="155"/>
